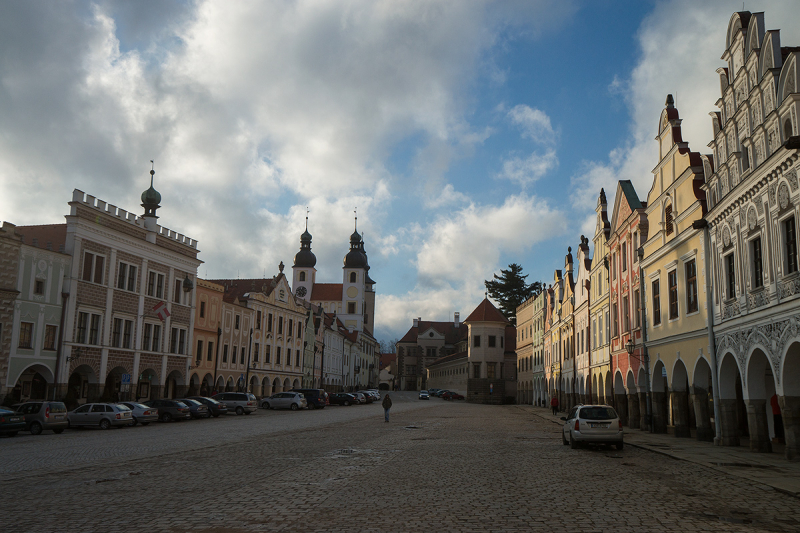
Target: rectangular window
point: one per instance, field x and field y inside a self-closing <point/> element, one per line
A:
<point x="278" y="355"/>
<point x="50" y="337"/>
<point x="94" y="330"/>
<point x="255" y="353"/>
<point x="147" y="336"/>
<point x="625" y="314"/>
<point x="672" y="287"/>
<point x="25" y="334"/>
<point x="291" y="327"/>
<point x="299" y="329"/>
<point x="258" y="319"/>
<point x="126" y="280"/>
<point x="492" y="341"/>
<point x="225" y="353"/>
<point x="241" y="359"/>
<point x="624" y="256"/>
<point x="234" y="354"/>
<point x="93" y="267"/>
<point x="351" y="308"/>
<point x="668" y="226"/>
<point x="691" y="286"/>
<point x="656" y="302"/>
<point x="490" y="370"/>
<point x="730" y="270"/>
<point x="269" y="322"/>
<point x="476" y="341"/>
<point x="173" y="341"/>
<point x="182" y="341"/>
<point x="116" y="335"/>
<point x="616" y="319"/>
<point x="38" y="287"/>
<point x="176" y="293"/>
<point x="790" y="244"/>
<point x="210" y="351"/>
<point x="236" y="322"/>
<point x="636" y="313"/>
<point x="199" y="352"/>
<point x="280" y="325"/>
<point x="758" y="272"/>
<point x="202" y="309"/>
<point x="297" y="357"/>
<point x="156" y="347"/>
<point x="267" y="353"/>
<point x="155" y="285"/>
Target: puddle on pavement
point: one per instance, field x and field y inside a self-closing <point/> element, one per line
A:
<point x="411" y="427"/>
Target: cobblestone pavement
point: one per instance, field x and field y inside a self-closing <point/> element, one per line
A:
<point x="439" y="466"/>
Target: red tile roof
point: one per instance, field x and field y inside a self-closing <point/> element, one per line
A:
<point x="237" y="288"/>
<point x="54" y="234"/>
<point x="451" y="333"/>
<point x="326" y="292"/>
<point x="486" y="312"/>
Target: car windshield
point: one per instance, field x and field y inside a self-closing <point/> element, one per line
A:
<point x="251" y="397"/>
<point x="190" y="402"/>
<point x="597" y="413"/>
<point x="181" y="404"/>
<point x="137" y="405"/>
<point x="58" y="408"/>
<point x="123" y="407"/>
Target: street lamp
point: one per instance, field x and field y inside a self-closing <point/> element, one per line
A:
<point x="74" y="357"/>
<point x="630" y="346"/>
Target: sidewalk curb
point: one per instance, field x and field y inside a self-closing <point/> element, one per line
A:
<point x="678" y="458"/>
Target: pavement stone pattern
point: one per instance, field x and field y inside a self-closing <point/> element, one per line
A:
<point x="438" y="465"/>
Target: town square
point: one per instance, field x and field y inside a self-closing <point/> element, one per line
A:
<point x="381" y="266"/>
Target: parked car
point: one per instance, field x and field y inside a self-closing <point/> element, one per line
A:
<point x="11" y="422"/>
<point x="43" y="415"/>
<point x="169" y="410"/>
<point x="196" y="409"/>
<point x="140" y="413"/>
<point x="450" y="395"/>
<point x="316" y="398"/>
<point x="592" y="424"/>
<point x="439" y="392"/>
<point x="342" y="398"/>
<point x="238" y="402"/>
<point x="102" y="415"/>
<point x="432" y="392"/>
<point x="359" y="396"/>
<point x="374" y="393"/>
<point x="214" y="407"/>
<point x="285" y="400"/>
<point x="367" y="396"/>
<point x="423" y="395"/>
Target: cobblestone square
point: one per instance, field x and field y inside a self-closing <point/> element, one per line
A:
<point x="439" y="466"/>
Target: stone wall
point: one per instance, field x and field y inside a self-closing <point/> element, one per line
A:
<point x="487" y="391"/>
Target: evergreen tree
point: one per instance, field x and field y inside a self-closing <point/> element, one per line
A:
<point x="510" y="290"/>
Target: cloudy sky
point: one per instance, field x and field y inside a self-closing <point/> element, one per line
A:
<point x="469" y="134"/>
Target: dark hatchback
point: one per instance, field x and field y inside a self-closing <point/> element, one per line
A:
<point x="316" y="398"/>
<point x="214" y="407"/>
<point x="169" y="410"/>
<point x="342" y="398"/>
<point x="10" y="422"/>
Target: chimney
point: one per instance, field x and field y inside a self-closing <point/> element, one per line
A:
<point x="457" y="319"/>
<point x="416" y="322"/>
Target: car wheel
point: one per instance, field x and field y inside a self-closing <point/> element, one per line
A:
<point x="346" y="403"/>
<point x="36" y="428"/>
<point x="133" y="422"/>
<point x="58" y="431"/>
<point x="573" y="443"/>
<point x="239" y="410"/>
<point x="294" y="407"/>
<point x="266" y="405"/>
<point x="105" y="424"/>
<point x="563" y="439"/>
<point x="620" y="445"/>
<point x="166" y="417"/>
<point x="145" y="423"/>
<point x="312" y="406"/>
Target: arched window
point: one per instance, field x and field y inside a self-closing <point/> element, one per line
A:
<point x="668" y="225"/>
<point x="352" y="277"/>
<point x="302" y="276"/>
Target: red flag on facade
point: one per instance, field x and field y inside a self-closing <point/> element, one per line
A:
<point x="161" y="310"/>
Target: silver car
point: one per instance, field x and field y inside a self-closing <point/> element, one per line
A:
<point x="43" y="415"/>
<point x="285" y="400"/>
<point x="141" y="414"/>
<point x="238" y="402"/>
<point x="102" y="415"/>
<point x="592" y="424"/>
<point x="360" y="397"/>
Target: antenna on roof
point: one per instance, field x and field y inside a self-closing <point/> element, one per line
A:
<point x="306" y="218"/>
<point x="356" y="214"/>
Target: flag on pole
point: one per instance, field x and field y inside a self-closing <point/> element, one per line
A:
<point x="161" y="310"/>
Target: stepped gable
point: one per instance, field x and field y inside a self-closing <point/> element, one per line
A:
<point x="486" y="312"/>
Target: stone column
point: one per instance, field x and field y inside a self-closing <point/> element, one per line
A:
<point x="702" y="415"/>
<point x="790" y="412"/>
<point x="642" y="411"/>
<point x="680" y="413"/>
<point x="633" y="411"/>
<point x="659" y="421"/>
<point x="622" y="408"/>
<point x="729" y="429"/>
<point x="758" y="426"/>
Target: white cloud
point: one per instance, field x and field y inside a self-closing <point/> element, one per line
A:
<point x="536" y="126"/>
<point x="529" y="169"/>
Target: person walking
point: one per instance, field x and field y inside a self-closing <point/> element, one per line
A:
<point x="554" y="404"/>
<point x="387" y="404"/>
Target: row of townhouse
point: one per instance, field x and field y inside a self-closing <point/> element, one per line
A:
<point x="687" y="317"/>
<point x="109" y="305"/>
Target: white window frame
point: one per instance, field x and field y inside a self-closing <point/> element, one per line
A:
<point x="125" y="321"/>
<point x="124" y="270"/>
<point x="150" y="326"/>
<point x="86" y="338"/>
<point x="93" y="274"/>
<point x="159" y="279"/>
<point x="178" y="340"/>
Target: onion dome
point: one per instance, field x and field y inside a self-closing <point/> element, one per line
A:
<point x="305" y="258"/>
<point x="355" y="259"/>
<point x="151" y="198"/>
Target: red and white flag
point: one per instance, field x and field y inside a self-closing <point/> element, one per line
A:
<point x="161" y="310"/>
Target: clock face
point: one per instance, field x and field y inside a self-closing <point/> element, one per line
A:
<point x="301" y="291"/>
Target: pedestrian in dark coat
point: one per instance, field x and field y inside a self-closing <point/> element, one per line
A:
<point x="387" y="404"/>
<point x="554" y="404"/>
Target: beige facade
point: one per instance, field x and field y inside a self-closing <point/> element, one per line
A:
<point x="524" y="350"/>
<point x="599" y="308"/>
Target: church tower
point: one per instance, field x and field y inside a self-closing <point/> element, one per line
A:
<point x="354" y="284"/>
<point x="303" y="271"/>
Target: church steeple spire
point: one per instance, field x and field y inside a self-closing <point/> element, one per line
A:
<point x="151" y="197"/>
